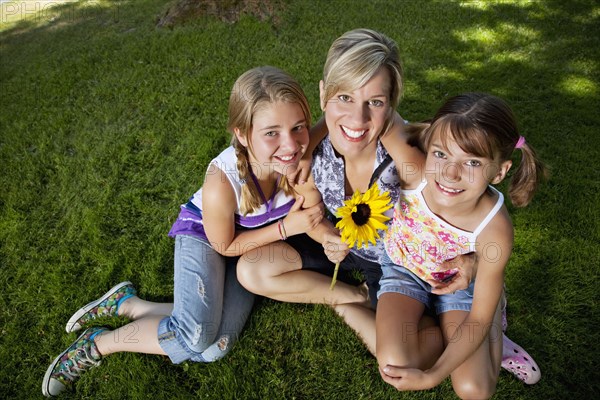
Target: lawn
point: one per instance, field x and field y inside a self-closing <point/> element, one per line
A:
<point x="107" y="124"/>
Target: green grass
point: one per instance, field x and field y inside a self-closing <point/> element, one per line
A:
<point x="107" y="124"/>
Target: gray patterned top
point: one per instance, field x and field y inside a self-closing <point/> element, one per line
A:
<point x="329" y="174"/>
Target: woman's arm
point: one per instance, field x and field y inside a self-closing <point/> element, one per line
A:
<point x="409" y="160"/>
<point x="324" y="233"/>
<point x="466" y="265"/>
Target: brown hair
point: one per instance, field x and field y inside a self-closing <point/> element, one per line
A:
<point x="485" y="126"/>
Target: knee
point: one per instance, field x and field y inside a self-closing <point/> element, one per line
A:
<point x="253" y="276"/>
<point x="217" y="350"/>
<point x="471" y="390"/>
<point x="384" y="359"/>
<point x="248" y="275"/>
<point x="198" y="337"/>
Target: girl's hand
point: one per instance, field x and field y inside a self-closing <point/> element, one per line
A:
<point x="335" y="249"/>
<point x="301" y="220"/>
<point x="466" y="265"/>
<point x="407" y="378"/>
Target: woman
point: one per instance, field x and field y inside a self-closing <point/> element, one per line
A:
<point x="360" y="90"/>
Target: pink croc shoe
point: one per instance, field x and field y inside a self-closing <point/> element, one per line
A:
<point x="519" y="363"/>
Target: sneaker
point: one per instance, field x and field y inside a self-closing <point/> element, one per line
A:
<point x="107" y="305"/>
<point x="76" y="359"/>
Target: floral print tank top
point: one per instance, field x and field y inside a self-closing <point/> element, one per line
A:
<point x="421" y="241"/>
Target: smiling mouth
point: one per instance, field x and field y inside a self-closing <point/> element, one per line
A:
<point x="449" y="190"/>
<point x="352" y="134"/>
<point x="287" y="158"/>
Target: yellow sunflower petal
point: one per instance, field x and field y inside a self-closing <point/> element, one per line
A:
<point x="365" y="234"/>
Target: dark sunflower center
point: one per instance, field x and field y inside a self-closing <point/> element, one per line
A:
<point x="362" y="214"/>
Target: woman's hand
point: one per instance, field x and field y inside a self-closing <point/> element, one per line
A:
<point x="302" y="172"/>
<point x="335" y="249"/>
<point x="301" y="220"/>
<point x="466" y="265"/>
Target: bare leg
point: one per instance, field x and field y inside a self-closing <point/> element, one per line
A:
<point x="275" y="271"/>
<point x="404" y="339"/>
<point x="136" y="308"/>
<point x="362" y="320"/>
<point x="139" y="336"/>
<point x="477" y="377"/>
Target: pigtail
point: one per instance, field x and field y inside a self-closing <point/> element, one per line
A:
<point x="250" y="199"/>
<point x="285" y="185"/>
<point x="527" y="177"/>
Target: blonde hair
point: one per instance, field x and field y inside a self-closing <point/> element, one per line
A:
<point x="251" y="91"/>
<point x="485" y="126"/>
<point x="355" y="57"/>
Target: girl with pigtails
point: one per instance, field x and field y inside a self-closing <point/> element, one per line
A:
<point x="449" y="207"/>
<point x="245" y="202"/>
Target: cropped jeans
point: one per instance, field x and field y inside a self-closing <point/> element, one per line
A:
<point x="210" y="306"/>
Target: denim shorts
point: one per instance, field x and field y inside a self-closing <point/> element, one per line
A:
<point x="397" y="279"/>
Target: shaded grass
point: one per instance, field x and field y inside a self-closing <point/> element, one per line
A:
<point x="107" y="125"/>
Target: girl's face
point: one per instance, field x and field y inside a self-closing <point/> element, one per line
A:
<point x="457" y="177"/>
<point x="278" y="139"/>
<point x="356" y="118"/>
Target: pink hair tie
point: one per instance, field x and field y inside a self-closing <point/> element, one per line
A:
<point x="520" y="142"/>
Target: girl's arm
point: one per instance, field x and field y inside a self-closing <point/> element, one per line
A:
<point x="409" y="160"/>
<point x="218" y="207"/>
<point x="495" y="246"/>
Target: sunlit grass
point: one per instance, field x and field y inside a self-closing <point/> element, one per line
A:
<point x="578" y="86"/>
<point x="498" y="36"/>
<point x="37" y="12"/>
<point x="107" y="124"/>
<point x="485" y="5"/>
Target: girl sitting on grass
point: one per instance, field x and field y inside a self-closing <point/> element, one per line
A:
<point x="245" y="202"/>
<point x="448" y="207"/>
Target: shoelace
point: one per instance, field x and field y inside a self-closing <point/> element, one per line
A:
<point x="81" y="362"/>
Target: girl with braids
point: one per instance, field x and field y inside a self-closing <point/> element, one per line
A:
<point x="448" y="207"/>
<point x="245" y="202"/>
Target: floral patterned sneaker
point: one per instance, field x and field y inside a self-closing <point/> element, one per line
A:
<point x="76" y="359"/>
<point x="107" y="305"/>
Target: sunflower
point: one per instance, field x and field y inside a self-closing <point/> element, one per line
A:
<point x="361" y="217"/>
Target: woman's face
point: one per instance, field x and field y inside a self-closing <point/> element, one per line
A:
<point x="356" y="118"/>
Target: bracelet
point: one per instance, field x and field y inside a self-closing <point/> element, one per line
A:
<point x="281" y="229"/>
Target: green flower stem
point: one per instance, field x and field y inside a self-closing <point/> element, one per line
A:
<point x="335" y="272"/>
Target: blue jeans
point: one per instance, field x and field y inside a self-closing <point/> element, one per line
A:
<point x="210" y="306"/>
